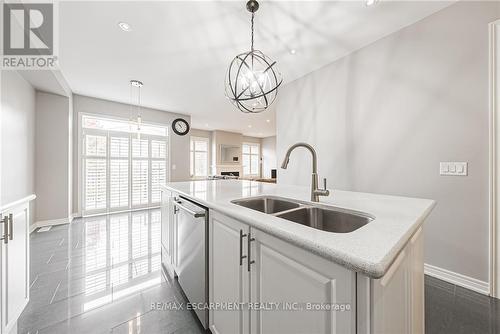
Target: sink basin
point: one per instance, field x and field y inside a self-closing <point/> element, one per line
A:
<point x="267" y="204"/>
<point x="326" y="219"/>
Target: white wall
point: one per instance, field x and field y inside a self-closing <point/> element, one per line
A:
<point x="179" y="145"/>
<point x="17" y="131"/>
<point x="269" y="159"/>
<point x="52" y="174"/>
<point x="384" y="117"/>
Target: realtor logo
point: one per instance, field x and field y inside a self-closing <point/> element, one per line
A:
<point x="28" y="36"/>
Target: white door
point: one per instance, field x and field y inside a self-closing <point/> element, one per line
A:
<point x="228" y="274"/>
<point x="303" y="284"/>
<point x="15" y="267"/>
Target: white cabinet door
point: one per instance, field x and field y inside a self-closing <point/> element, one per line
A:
<point x="394" y="304"/>
<point x="417" y="305"/>
<point x="166" y="227"/>
<point x="228" y="278"/>
<point x="15" y="267"/>
<point x="298" y="280"/>
<point x="391" y="298"/>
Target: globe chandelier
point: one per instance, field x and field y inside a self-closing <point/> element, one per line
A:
<point x="252" y="79"/>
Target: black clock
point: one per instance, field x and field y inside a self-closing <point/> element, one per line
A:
<point x="180" y="126"/>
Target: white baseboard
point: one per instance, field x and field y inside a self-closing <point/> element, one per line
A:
<point x="49" y="223"/>
<point x="74" y="215"/>
<point x="457" y="279"/>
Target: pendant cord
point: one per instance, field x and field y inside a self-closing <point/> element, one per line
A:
<point x="253" y="15"/>
<point x="130" y="105"/>
<point x="139" y="102"/>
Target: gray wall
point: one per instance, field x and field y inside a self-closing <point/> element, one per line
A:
<point x="269" y="159"/>
<point x="383" y="118"/>
<point x="17" y="131"/>
<point x="179" y="145"/>
<point x="52" y="173"/>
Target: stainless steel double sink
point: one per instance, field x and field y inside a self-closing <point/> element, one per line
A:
<point x="318" y="216"/>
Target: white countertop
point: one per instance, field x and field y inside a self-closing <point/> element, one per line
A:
<point x="369" y="250"/>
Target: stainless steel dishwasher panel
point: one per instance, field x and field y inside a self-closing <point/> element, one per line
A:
<point x="192" y="254"/>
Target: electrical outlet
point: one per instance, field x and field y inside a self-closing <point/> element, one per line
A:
<point x="453" y="168"/>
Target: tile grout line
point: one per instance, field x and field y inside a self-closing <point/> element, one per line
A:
<point x="34" y="281"/>
<point x="55" y="292"/>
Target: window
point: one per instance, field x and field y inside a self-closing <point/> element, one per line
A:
<point x="251" y="159"/>
<point x="199" y="157"/>
<point x="121" y="170"/>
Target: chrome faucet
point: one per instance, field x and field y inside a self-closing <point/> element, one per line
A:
<point x="315" y="191"/>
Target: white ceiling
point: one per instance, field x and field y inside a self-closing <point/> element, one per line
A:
<point x="181" y="49"/>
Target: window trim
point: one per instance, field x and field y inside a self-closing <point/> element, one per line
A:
<point x="191" y="157"/>
<point x="250" y="154"/>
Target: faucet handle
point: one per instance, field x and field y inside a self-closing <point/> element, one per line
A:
<point x="324" y="191"/>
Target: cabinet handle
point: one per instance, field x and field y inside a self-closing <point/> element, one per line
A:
<point x="5" y="222"/>
<point x="249" y="260"/>
<point x="179" y="205"/>
<point x="242" y="235"/>
<point x="11" y="227"/>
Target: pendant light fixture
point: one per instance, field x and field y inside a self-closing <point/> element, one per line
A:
<point x="252" y="79"/>
<point x="138" y="121"/>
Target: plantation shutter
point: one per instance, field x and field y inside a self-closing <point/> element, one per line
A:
<point x="120" y="169"/>
<point x="95" y="172"/>
<point x="119" y="172"/>
<point x="158" y="168"/>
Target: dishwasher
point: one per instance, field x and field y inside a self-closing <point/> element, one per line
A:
<point x="192" y="254"/>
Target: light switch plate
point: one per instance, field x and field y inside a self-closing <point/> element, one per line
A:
<point x="453" y="168"/>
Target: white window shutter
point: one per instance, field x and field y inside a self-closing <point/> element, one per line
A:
<point x="120" y="170"/>
<point x="95" y="184"/>
<point x="158" y="177"/>
<point x="118" y="188"/>
<point x="140" y="190"/>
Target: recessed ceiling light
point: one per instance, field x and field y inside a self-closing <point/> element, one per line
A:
<point x="293" y="51"/>
<point x="250" y="126"/>
<point x="125" y="26"/>
<point x="268" y="120"/>
<point x="371" y="2"/>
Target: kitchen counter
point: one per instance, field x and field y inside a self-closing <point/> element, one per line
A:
<point x="370" y="250"/>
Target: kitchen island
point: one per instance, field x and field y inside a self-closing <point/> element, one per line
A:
<point x="288" y="277"/>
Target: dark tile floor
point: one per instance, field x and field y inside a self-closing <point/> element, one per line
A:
<point x="450" y="309"/>
<point x="101" y="275"/>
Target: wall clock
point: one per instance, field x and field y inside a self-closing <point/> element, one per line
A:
<point x="180" y="126"/>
